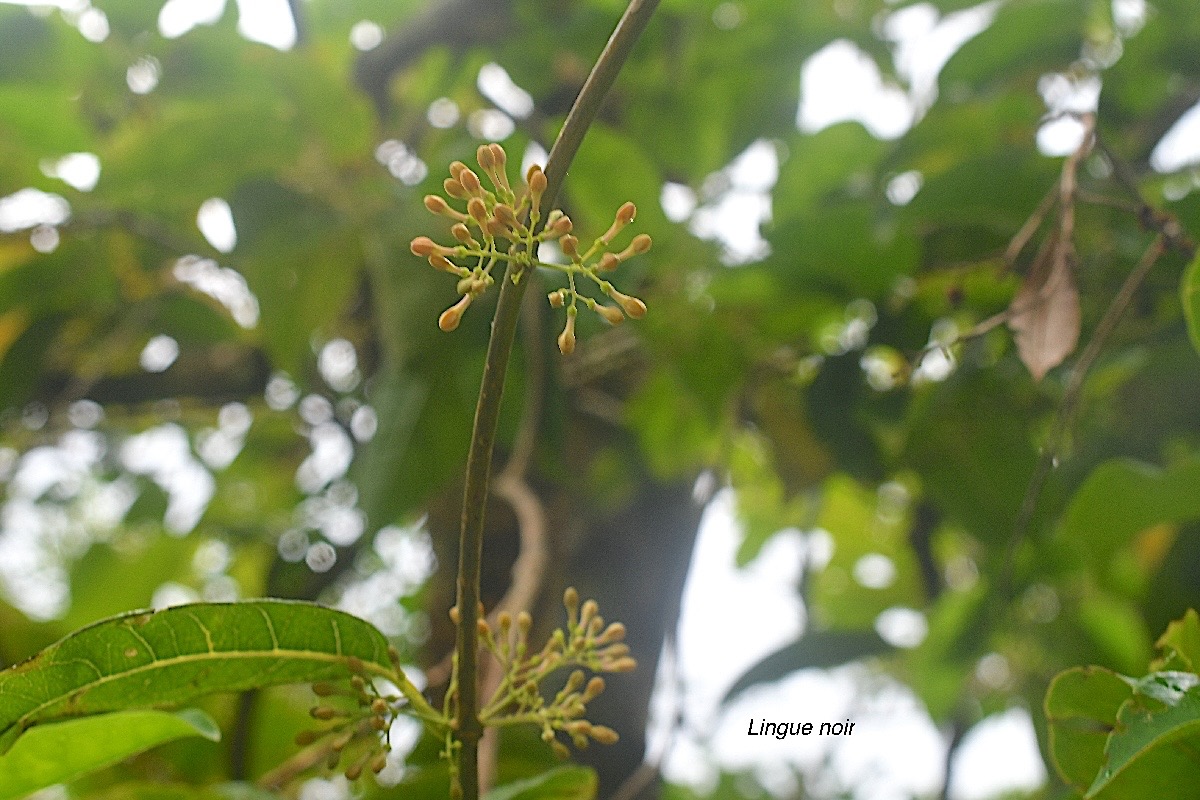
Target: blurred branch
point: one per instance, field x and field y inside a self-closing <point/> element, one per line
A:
<point x="455" y="24"/>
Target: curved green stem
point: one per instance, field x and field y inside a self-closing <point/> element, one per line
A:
<point x="487" y="411"/>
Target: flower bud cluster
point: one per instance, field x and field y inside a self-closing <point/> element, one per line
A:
<point x="499" y="224"/>
<point x="585" y="642"/>
<point x="360" y="718"/>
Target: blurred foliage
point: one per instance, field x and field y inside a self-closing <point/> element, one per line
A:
<point x="312" y="410"/>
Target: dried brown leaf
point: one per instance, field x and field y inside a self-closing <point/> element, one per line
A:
<point x="1044" y="315"/>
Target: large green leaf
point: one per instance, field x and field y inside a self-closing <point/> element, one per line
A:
<point x="1121" y="498"/>
<point x="563" y="783"/>
<point x="150" y="659"/>
<point x="64" y="751"/>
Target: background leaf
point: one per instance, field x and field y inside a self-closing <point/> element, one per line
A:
<point x="63" y="751"/>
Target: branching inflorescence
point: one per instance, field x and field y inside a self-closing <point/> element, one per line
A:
<point x="359" y="714"/>
<point x="500" y="225"/>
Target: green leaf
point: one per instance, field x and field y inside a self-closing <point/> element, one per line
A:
<point x="67" y="750"/>
<point x="1081" y="708"/>
<point x="563" y="783"/>
<point x="1121" y="498"/>
<point x="1182" y="640"/>
<point x="149" y="659"/>
<point x="1189" y="292"/>
<point x="1157" y="733"/>
<point x="814" y="649"/>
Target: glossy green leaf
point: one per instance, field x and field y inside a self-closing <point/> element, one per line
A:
<point x="148" y="659"/>
<point x="813" y="650"/>
<point x="64" y="751"/>
<point x="562" y="783"/>
<point x="1157" y="733"/>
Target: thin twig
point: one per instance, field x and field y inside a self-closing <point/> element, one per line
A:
<point x="1018" y="242"/>
<point x="487" y="411"/>
<point x="1070" y="401"/>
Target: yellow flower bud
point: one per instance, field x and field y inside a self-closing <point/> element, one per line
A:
<point x="594" y="688"/>
<point x="485" y="158"/>
<point x="566" y="339"/>
<point x="626" y="213"/>
<point x="506" y="215"/>
<point x="470" y="182"/>
<point x="614" y="633"/>
<point x="454" y="189"/>
<point x="478" y="211"/>
<point x="498" y="154"/>
<point x="455" y="617"/>
<point x="497" y="228"/>
<point x="438" y="261"/>
<point x="463" y="234"/>
<point x="604" y="735"/>
<point x="424" y="246"/>
<point x="562" y="226"/>
<point x="450" y="318"/>
<point x="557" y="298"/>
<point x="632" y="306"/>
<point x="611" y="314"/>
<point x="608" y="262"/>
<point x="456" y="168"/>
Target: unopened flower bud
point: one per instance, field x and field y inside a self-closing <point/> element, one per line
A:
<point x="437" y="205"/>
<point x="354" y="771"/>
<point x="485" y="158"/>
<point x="608" y="262"/>
<point x="323" y="712"/>
<point x="566" y="339"/>
<point x="323" y="689"/>
<point x="455" y="617"/>
<point x="450" y="318"/>
<point x="594" y="688"/>
<point x="604" y="734"/>
<point x="456" y="168"/>
<point x="557" y="298"/>
<point x="613" y="633"/>
<point x="378" y="763"/>
<point x="570" y="246"/>
<point x="632" y="305"/>
<point x="482" y="627"/>
<point x="560" y="749"/>
<point x="562" y="226"/>
<point x="478" y="211"/>
<point x="611" y="314"/>
<point x="470" y="182"/>
<point x="505" y="214"/>
<point x="498" y="154"/>
<point x="304" y="738"/>
<point x="537" y="186"/>
<point x="356" y="665"/>
<point x="379" y="706"/>
<point x="497" y="229"/>
<point x="624" y="664"/>
<point x="626" y="213"/>
<point x="640" y="244"/>
<point x="424" y="246"/>
<point x="571" y="599"/>
<point x="524" y="621"/>
<point x="454" y="189"/>
<point x="443" y="263"/>
<point x="462" y="233"/>
<point x="589" y="610"/>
